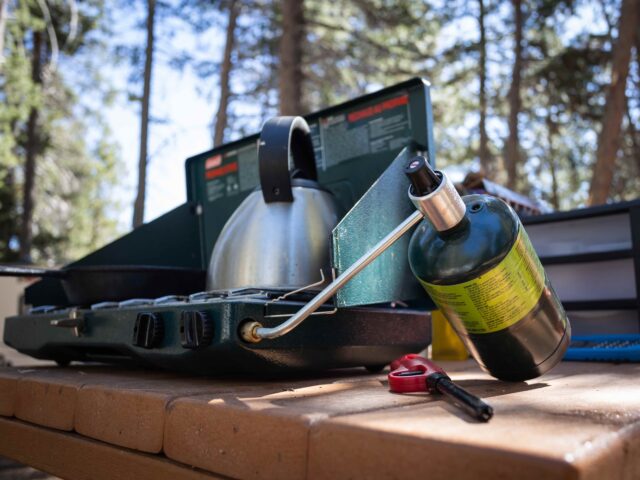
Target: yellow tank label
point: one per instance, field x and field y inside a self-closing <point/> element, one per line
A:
<point x="498" y="298"/>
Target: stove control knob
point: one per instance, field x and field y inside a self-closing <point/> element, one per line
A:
<point x="148" y="330"/>
<point x="196" y="329"/>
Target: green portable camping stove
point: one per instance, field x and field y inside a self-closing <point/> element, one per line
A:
<point x="375" y="322"/>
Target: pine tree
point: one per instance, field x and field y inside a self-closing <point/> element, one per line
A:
<point x="138" y="207"/>
<point x="609" y="141"/>
<point x="512" y="154"/>
<point x="44" y="121"/>
<point x="220" y="122"/>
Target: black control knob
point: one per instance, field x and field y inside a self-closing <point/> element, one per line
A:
<point x="148" y="330"/>
<point x="196" y="329"/>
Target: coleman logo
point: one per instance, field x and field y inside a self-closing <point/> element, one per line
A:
<point x="213" y="162"/>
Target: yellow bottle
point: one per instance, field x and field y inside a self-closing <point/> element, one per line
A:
<point x="445" y="342"/>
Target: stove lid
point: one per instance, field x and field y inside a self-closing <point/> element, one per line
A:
<point x="354" y="142"/>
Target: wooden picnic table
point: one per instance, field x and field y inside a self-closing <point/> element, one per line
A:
<point x="580" y="421"/>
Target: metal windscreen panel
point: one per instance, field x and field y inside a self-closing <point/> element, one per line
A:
<point x="381" y="209"/>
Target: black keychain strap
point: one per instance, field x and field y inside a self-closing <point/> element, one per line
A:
<point x="279" y="136"/>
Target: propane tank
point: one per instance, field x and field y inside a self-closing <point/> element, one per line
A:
<point x="474" y="259"/>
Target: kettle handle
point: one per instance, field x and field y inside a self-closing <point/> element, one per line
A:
<point x="279" y="136"/>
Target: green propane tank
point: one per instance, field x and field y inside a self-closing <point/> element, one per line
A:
<point x="475" y="260"/>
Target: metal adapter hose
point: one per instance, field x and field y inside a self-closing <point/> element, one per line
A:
<point x="254" y="332"/>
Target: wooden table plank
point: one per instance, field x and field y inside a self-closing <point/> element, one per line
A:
<point x="581" y="421"/>
<point x="47" y="396"/>
<point x="263" y="434"/>
<point x="73" y="457"/>
<point x="48" y="399"/>
<point x="9" y="378"/>
<point x="132" y="413"/>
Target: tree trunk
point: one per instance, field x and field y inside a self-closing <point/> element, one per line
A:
<point x="552" y="130"/>
<point x="512" y="147"/>
<point x="633" y="133"/>
<point x="4" y="11"/>
<point x="609" y="139"/>
<point x="8" y="210"/>
<point x="225" y="74"/>
<point x="291" y="51"/>
<point x="483" y="153"/>
<point x="138" y="207"/>
<point x="32" y="150"/>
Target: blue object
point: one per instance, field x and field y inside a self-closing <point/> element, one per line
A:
<point x="604" y="348"/>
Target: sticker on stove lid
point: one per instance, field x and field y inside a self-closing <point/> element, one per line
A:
<point x="316" y="140"/>
<point x="231" y="173"/>
<point x="248" y="173"/>
<point x="375" y="128"/>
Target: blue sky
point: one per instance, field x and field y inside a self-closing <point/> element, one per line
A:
<point x="184" y="127"/>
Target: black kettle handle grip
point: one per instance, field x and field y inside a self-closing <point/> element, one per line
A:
<point x="279" y="136"/>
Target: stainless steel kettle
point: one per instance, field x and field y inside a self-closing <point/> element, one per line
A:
<point x="279" y="237"/>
